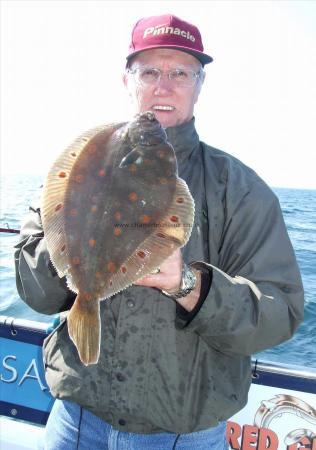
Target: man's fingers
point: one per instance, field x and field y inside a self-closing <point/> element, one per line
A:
<point x="151" y="280"/>
<point x="167" y="277"/>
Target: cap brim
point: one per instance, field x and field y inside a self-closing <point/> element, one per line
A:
<point x="202" y="57"/>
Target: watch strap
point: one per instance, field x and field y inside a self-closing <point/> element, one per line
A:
<point x="187" y="284"/>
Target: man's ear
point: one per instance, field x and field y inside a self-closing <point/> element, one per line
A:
<point x="124" y="78"/>
<point x="201" y="80"/>
<point x="126" y="83"/>
<point x="199" y="87"/>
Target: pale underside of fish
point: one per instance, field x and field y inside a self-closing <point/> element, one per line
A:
<point x="113" y="209"/>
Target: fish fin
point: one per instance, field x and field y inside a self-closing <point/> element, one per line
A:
<point x="84" y="328"/>
<point x="166" y="238"/>
<point x="179" y="219"/>
<point x="55" y="195"/>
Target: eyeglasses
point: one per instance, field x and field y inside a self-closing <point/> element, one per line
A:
<point x="150" y="76"/>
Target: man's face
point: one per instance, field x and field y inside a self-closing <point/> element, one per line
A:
<point x="172" y="104"/>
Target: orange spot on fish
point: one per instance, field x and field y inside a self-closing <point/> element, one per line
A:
<point x="141" y="254"/>
<point x="180" y="200"/>
<point x="118" y="215"/>
<point x="123" y="269"/>
<point x="92" y="242"/>
<point x="94" y="208"/>
<point x="58" y="207"/>
<point x="76" y="260"/>
<point x="101" y="173"/>
<point x="161" y="153"/>
<point x="79" y="178"/>
<point x="111" y="266"/>
<point x="145" y="219"/>
<point x="133" y="196"/>
<point x="133" y="168"/>
<point x="174" y="219"/>
<point x="62" y="174"/>
<point x="92" y="149"/>
<point x="73" y="212"/>
<point x="117" y="231"/>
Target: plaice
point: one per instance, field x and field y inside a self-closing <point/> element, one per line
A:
<point x="113" y="209"/>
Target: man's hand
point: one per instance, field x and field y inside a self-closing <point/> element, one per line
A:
<point x="169" y="279"/>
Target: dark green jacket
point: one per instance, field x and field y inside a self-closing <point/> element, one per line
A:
<point x="156" y="371"/>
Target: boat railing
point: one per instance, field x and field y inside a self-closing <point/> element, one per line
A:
<point x="281" y="404"/>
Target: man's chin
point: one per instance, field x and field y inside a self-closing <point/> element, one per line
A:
<point x="166" y="118"/>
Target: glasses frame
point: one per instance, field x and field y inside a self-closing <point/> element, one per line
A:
<point x="136" y="70"/>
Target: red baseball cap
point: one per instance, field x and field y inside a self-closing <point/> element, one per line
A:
<point x="167" y="31"/>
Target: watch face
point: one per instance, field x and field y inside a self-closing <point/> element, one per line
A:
<point x="188" y="279"/>
<point x="188" y="283"/>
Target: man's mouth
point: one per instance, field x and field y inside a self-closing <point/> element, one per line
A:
<point x="163" y="108"/>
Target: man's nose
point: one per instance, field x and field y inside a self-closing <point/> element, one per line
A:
<point x="164" y="84"/>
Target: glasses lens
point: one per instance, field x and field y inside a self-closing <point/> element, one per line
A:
<point x="183" y="77"/>
<point x="148" y="75"/>
<point x="151" y="76"/>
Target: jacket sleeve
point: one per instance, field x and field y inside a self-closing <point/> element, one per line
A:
<point x="256" y="299"/>
<point x="37" y="281"/>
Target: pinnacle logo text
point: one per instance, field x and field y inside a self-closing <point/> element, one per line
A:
<point x="161" y="29"/>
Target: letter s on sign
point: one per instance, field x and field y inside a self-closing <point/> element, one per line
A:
<point x="10" y="369"/>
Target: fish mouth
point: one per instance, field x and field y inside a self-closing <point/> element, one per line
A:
<point x="163" y="108"/>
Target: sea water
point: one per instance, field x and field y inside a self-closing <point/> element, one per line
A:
<point x="18" y="192"/>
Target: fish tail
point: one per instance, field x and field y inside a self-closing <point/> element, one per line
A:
<point x="84" y="329"/>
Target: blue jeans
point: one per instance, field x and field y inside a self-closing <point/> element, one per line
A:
<point x="71" y="427"/>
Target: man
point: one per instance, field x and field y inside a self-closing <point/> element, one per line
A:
<point x="175" y="360"/>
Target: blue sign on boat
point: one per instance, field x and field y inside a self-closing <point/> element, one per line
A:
<point x="24" y="393"/>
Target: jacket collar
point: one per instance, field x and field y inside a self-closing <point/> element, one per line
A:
<point x="184" y="139"/>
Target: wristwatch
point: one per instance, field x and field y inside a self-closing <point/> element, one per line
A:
<point x="187" y="284"/>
